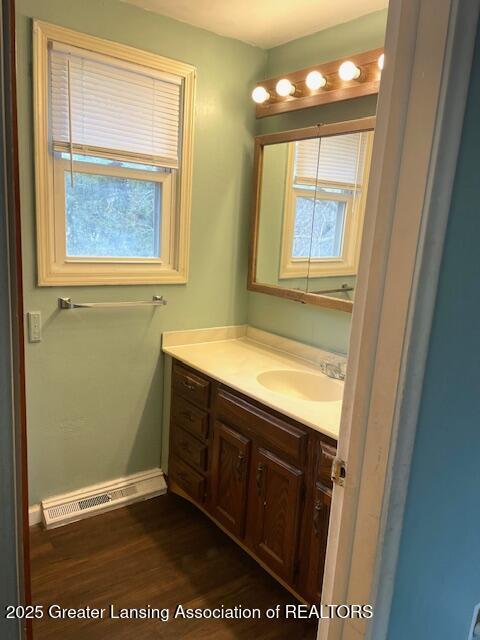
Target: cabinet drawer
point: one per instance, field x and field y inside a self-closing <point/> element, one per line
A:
<point x="190" y="417"/>
<point x="189" y="449"/>
<point x="187" y="478"/>
<point x="280" y="436"/>
<point x="190" y="385"/>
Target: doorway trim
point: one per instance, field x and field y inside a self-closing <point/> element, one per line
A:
<point x="14" y="529"/>
<point x="429" y="49"/>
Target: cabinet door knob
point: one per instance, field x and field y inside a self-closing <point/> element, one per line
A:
<point x="239" y="464"/>
<point x="185" y="446"/>
<point x="316" y="516"/>
<point x="259" y="478"/>
<point x="183" y="476"/>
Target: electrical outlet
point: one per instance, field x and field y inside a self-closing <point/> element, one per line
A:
<point x="34" y="326"/>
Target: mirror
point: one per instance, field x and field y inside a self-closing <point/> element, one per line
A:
<point x="309" y="204"/>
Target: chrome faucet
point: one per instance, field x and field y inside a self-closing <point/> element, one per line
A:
<point x="333" y="369"/>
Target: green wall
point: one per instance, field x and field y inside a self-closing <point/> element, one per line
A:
<point x="317" y="326"/>
<point x="94" y="383"/>
<point x="271" y="214"/>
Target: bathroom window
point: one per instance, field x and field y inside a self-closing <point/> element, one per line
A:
<point x="324" y="205"/>
<point x="113" y="161"/>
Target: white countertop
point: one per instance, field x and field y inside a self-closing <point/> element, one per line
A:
<point x="235" y="356"/>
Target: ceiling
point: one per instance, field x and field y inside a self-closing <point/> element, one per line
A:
<point x="264" y="23"/>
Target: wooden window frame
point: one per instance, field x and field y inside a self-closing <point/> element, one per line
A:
<point x="347" y="263"/>
<point x="54" y="268"/>
<point x="303" y="267"/>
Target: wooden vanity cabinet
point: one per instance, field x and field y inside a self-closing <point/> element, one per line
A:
<point x="262" y="477"/>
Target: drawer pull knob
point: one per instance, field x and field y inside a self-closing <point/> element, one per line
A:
<point x="259" y="478"/>
<point x="187" y="415"/>
<point x="189" y="385"/>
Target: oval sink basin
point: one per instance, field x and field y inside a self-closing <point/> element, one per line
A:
<point x="302" y="385"/>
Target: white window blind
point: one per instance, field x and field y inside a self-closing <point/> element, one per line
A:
<point x="100" y="105"/>
<point x="341" y="159"/>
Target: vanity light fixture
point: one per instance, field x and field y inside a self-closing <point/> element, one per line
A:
<point x="260" y="95"/>
<point x="284" y="88"/>
<point x="381" y="61"/>
<point x="315" y="80"/>
<point x="320" y="84"/>
<point x="348" y="70"/>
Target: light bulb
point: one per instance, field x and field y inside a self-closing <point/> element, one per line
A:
<point x="381" y="61"/>
<point x="260" y="95"/>
<point x="349" y="71"/>
<point x="284" y="87"/>
<point x="315" y="80"/>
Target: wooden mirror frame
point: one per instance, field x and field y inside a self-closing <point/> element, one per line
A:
<point x="316" y="131"/>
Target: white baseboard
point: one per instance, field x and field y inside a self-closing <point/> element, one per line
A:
<point x="34" y="514"/>
<point x="95" y="499"/>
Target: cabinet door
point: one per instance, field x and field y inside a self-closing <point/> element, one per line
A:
<point x="277" y="487"/>
<point x="230" y="465"/>
<point x="322" y="499"/>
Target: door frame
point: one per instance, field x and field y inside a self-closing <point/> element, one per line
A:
<point x="14" y="525"/>
<point x="417" y="138"/>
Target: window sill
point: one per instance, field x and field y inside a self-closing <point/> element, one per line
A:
<point x="111" y="276"/>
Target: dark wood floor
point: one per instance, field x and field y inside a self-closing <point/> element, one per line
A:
<point x="161" y="552"/>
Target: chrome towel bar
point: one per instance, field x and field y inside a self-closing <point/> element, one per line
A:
<point x="67" y="303"/>
<point x="342" y="289"/>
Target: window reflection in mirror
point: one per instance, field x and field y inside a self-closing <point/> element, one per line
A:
<point x="310" y="211"/>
